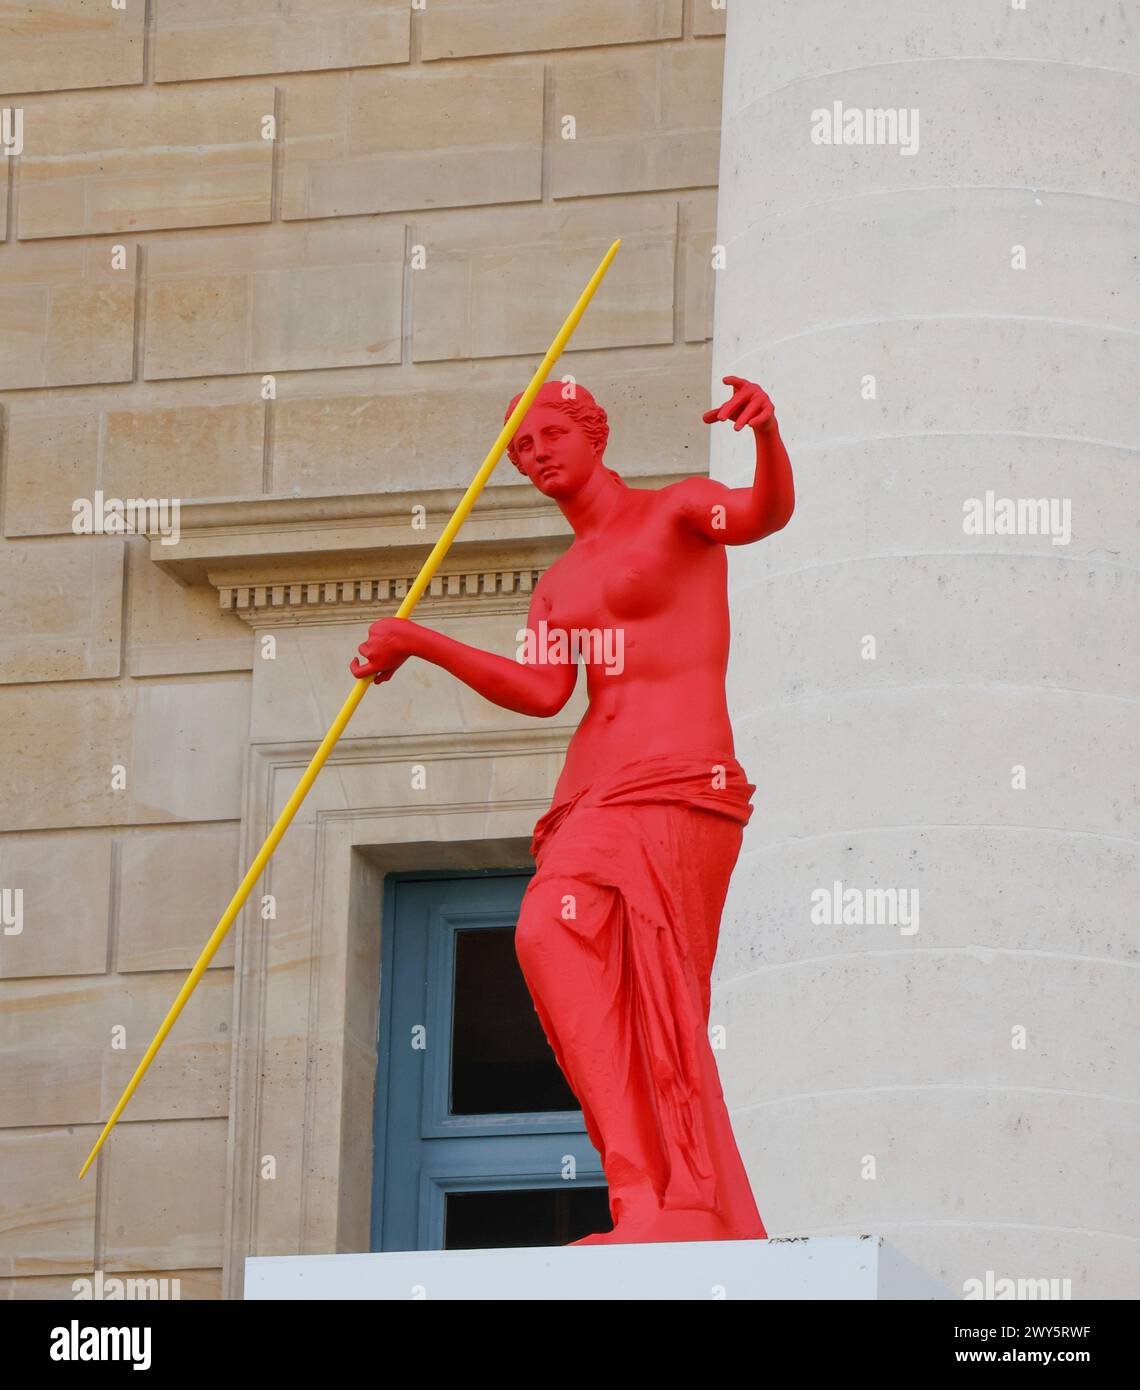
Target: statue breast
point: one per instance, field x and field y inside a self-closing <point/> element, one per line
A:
<point x="637" y="584"/>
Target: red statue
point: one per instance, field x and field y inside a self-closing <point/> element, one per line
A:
<point x="618" y="927"/>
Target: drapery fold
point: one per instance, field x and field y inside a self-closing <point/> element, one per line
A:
<point x="662" y="834"/>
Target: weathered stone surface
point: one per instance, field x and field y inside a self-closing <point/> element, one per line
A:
<point x="459" y="309"/>
<point x="55" y="45"/>
<point x="191" y="451"/>
<point x="52" y="461"/>
<point x="283" y="300"/>
<point x="61" y="608"/>
<point x="47" y="1219"/>
<point x="463" y="28"/>
<point x="132" y="161"/>
<point x="789" y="42"/>
<point x="165" y="1191"/>
<point x="174" y="885"/>
<point x="233" y="38"/>
<point x="709" y="17"/>
<point x="110" y="1020"/>
<point x="160" y="452"/>
<point x="387" y="141"/>
<point x="643" y="119"/>
<point x="65" y="886"/>
<point x="180" y="743"/>
<point x="68" y="315"/>
<point x="174" y="630"/>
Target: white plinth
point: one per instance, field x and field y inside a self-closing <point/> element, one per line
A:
<point x="811" y="1267"/>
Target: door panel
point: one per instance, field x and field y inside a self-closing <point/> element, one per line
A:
<point x="479" y="1139"/>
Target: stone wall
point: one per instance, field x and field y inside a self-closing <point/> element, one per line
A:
<point x="375" y="206"/>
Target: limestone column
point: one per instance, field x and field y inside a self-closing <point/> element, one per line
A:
<point x="934" y="667"/>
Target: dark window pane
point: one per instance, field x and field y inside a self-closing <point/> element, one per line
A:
<point x="526" y="1216"/>
<point x="501" y="1063"/>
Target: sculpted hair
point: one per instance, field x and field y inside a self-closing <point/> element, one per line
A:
<point x="582" y="408"/>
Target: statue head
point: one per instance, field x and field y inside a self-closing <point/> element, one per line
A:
<point x="561" y="440"/>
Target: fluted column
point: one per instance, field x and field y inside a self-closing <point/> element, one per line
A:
<point x="929" y="703"/>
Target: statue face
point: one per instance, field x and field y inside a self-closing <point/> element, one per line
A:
<point x="555" y="452"/>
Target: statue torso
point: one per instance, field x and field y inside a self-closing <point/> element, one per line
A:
<point x="647" y="597"/>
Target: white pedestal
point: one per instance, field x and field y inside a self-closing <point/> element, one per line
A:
<point x="809" y="1267"/>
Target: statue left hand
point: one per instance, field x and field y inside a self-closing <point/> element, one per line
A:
<point x="749" y="406"/>
<point x="389" y="643"/>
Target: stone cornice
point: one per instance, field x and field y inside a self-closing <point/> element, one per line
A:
<point x="320" y="558"/>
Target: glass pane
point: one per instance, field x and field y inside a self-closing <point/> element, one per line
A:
<point x="501" y="1063"/>
<point x="526" y="1216"/>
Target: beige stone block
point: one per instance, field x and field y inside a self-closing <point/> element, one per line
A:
<point x="52" y="461"/>
<point x="180" y="743"/>
<point x="176" y="630"/>
<point x="56" y="756"/>
<point x="68" y="315"/>
<point x="133" y="161"/>
<point x="644" y="119"/>
<point x="552" y="252"/>
<point x="698" y="221"/>
<point x="88" y="333"/>
<point x="174" y="885"/>
<point x="464" y="28"/>
<point x="184" y="451"/>
<point x="165" y="1187"/>
<point x="65" y="885"/>
<point x="232" y="38"/>
<point x="60" y="609"/>
<point x="47" y="1218"/>
<point x="50" y="1059"/>
<point x="188" y="742"/>
<point x="23" y="309"/>
<point x="107" y="1022"/>
<point x="429" y="436"/>
<point x="157" y="452"/>
<point x="709" y="17"/>
<point x="185" y="1285"/>
<point x="56" y="45"/>
<point x="459" y="137"/>
<point x="190" y="1076"/>
<point x="291" y="298"/>
<point x="197" y="326"/>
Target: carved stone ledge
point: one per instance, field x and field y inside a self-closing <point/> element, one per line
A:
<point x="325" y="557"/>
<point x="331" y="600"/>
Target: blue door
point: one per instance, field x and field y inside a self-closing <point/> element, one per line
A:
<point x="479" y="1141"/>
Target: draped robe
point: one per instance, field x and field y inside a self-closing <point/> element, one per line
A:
<point x="659" y="838"/>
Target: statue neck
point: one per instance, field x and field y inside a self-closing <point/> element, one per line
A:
<point x="594" y="503"/>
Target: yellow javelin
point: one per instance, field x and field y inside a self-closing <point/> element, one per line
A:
<point x="423" y="579"/>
